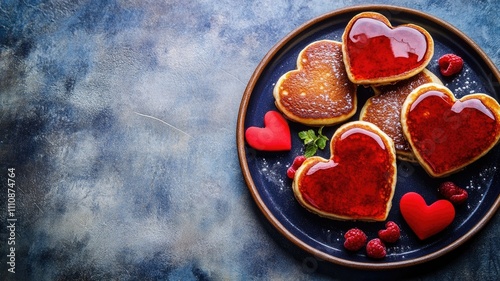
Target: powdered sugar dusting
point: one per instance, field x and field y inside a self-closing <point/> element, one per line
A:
<point x="463" y="84"/>
<point x="275" y="173"/>
<point x="479" y="182"/>
<point x="399" y="249"/>
<point x="482" y="179"/>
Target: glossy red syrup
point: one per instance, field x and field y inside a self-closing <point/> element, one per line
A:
<point x="356" y="182"/>
<point x="447" y="134"/>
<point x="376" y="50"/>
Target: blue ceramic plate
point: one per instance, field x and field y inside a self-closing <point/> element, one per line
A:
<point x="265" y="172"/>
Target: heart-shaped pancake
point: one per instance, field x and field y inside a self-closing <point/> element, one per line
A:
<point x="318" y="92"/>
<point x="425" y="220"/>
<point x="377" y="53"/>
<point x="275" y="136"/>
<point x="357" y="182"/>
<point x="445" y="133"/>
<point x="384" y="110"/>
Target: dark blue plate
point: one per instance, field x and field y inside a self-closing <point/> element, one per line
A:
<point x="265" y="172"/>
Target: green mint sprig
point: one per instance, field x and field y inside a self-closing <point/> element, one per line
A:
<point x="313" y="142"/>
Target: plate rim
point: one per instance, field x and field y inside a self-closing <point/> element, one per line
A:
<point x="240" y="141"/>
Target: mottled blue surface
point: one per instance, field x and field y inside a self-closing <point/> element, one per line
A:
<point x="119" y="119"/>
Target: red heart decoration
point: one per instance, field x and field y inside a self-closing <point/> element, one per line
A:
<point x="357" y="182"/>
<point x="275" y="136"/>
<point x="447" y="134"/>
<point x="426" y="220"/>
<point x="376" y="53"/>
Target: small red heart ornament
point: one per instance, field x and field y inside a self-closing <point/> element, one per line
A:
<point x="445" y="133"/>
<point x="377" y="53"/>
<point x="426" y="220"/>
<point x="357" y="182"/>
<point x="275" y="136"/>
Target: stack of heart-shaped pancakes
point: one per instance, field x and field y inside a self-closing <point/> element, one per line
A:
<point x="405" y="118"/>
<point x="384" y="109"/>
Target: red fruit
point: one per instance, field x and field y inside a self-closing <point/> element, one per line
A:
<point x="297" y="162"/>
<point x="290" y="173"/>
<point x="355" y="239"/>
<point x="391" y="234"/>
<point x="450" y="64"/>
<point x="375" y="249"/>
<point x="453" y="193"/>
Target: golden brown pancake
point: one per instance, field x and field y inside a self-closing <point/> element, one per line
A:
<point x="318" y="92"/>
<point x="384" y="110"/>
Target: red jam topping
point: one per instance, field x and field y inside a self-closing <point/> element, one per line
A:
<point x="356" y="182"/>
<point x="448" y="134"/>
<point x="376" y="50"/>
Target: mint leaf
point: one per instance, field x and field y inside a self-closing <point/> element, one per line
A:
<point x="311" y="134"/>
<point x="306" y="136"/>
<point x="303" y="135"/>
<point x="313" y="142"/>
<point x="321" y="143"/>
<point x="310" y="150"/>
<point x="320" y="131"/>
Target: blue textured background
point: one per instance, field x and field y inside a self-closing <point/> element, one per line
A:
<point x="119" y="118"/>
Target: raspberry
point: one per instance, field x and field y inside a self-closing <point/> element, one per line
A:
<point x="375" y="249"/>
<point x="391" y="234"/>
<point x="297" y="162"/>
<point x="450" y="64"/>
<point x="453" y="193"/>
<point x="355" y="239"/>
<point x="290" y="173"/>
